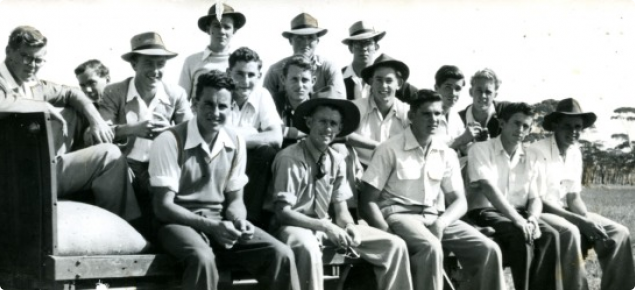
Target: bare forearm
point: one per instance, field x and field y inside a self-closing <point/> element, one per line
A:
<point x="289" y="217"/>
<point x="549" y="207"/>
<point x="271" y="138"/>
<point x="534" y="207"/>
<point x="456" y="210"/>
<point x="496" y="198"/>
<point x="368" y="208"/>
<point x="169" y="212"/>
<point x="576" y="204"/>
<point x="357" y="140"/>
<point x="342" y="215"/>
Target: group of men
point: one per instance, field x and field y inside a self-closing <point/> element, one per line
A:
<point x="219" y="169"/>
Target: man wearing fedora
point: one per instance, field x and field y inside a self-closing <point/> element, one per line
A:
<point x="304" y="37"/>
<point x="363" y="42"/>
<point x="565" y="210"/>
<point x="100" y="168"/>
<point x="310" y="177"/>
<point x="197" y="174"/>
<point x="413" y="188"/>
<point x="220" y="23"/>
<point x="141" y="107"/>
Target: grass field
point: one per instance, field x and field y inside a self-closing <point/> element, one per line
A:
<point x="615" y="203"/>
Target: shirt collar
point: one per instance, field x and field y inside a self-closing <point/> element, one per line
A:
<point x="314" y="152"/>
<point x="469" y="117"/>
<point x="499" y="149"/>
<point x="555" y="151"/>
<point x="411" y="142"/>
<point x="161" y="95"/>
<point x="195" y="139"/>
<point x="6" y="75"/>
<point x="208" y="52"/>
<point x="349" y="72"/>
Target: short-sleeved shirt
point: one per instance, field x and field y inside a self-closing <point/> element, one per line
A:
<point x="198" y="64"/>
<point x="408" y="176"/>
<point x="563" y="175"/>
<point x="325" y="72"/>
<point x="295" y="182"/>
<point x="450" y="127"/>
<point x="374" y="126"/>
<point x="518" y="178"/>
<point x="200" y="174"/>
<point x="123" y="105"/>
<point x="258" y="112"/>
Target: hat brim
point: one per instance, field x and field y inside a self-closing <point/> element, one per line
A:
<point x="152" y="52"/>
<point x="305" y="31"/>
<point x="350" y="114"/>
<point x="377" y="36"/>
<point x="368" y="72"/>
<point x="239" y="21"/>
<point x="588" y="119"/>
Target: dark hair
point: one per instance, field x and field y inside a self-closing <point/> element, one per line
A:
<point x="424" y="96"/>
<point x="96" y="65"/>
<point x="297" y="60"/>
<point x="26" y="35"/>
<point x="448" y="72"/>
<point x="512" y="108"/>
<point x="213" y="79"/>
<point x="244" y="54"/>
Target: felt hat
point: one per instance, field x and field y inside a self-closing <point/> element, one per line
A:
<point x="360" y="30"/>
<point x="204" y="21"/>
<point x="385" y="60"/>
<point x="568" y="107"/>
<point x="148" y="43"/>
<point x="328" y="97"/>
<point x="304" y="24"/>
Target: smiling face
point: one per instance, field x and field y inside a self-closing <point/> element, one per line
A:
<point x="567" y="130"/>
<point x="212" y="107"/>
<point x="450" y="90"/>
<point x="384" y="85"/>
<point x="221" y="33"/>
<point x="483" y="92"/>
<point x="324" y="125"/>
<point x="148" y="71"/>
<point x="425" y="118"/>
<point x="516" y="128"/>
<point x="25" y="62"/>
<point x="304" y="44"/>
<point x="298" y="83"/>
<point x="92" y="84"/>
<point x="245" y="76"/>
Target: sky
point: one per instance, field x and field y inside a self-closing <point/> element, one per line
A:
<point x="583" y="49"/>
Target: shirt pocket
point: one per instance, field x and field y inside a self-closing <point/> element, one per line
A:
<point x="408" y="169"/>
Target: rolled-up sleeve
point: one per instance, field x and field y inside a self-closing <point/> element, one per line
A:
<point x="479" y="166"/>
<point x="341" y="187"/>
<point x="381" y="165"/>
<point x="237" y="176"/>
<point x="164" y="167"/>
<point x="287" y="176"/>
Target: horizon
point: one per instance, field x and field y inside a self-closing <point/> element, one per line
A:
<point x="540" y="49"/>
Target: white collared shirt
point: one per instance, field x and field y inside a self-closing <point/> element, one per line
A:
<point x="259" y="112"/>
<point x="374" y="126"/>
<point x="469" y="116"/>
<point x="361" y="90"/>
<point x="517" y="177"/>
<point x="141" y="148"/>
<point x="452" y="127"/>
<point x="24" y="90"/>
<point x="563" y="175"/>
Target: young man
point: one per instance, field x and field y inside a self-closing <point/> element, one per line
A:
<point x="304" y="37"/>
<point x="93" y="77"/>
<point x="100" y="168"/>
<point x="310" y="177"/>
<point x="197" y="177"/>
<point x="221" y="29"/>
<point x="363" y="42"/>
<point x="505" y="195"/>
<point x="298" y="83"/>
<point x="406" y="187"/>
<point x="565" y="210"/>
<point x="480" y="117"/>
<point x="382" y="114"/>
<point x="449" y="82"/>
<point x="141" y="107"/>
<point x="253" y="115"/>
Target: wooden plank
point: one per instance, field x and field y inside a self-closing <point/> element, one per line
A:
<point x="101" y="267"/>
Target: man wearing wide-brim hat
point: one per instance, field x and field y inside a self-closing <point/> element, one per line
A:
<point x="309" y="177"/>
<point x="141" y="107"/>
<point x="564" y="209"/>
<point x="220" y="23"/>
<point x="304" y="37"/>
<point x="363" y="42"/>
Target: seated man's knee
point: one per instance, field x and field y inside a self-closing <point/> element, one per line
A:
<point x="201" y="257"/>
<point x="110" y="152"/>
